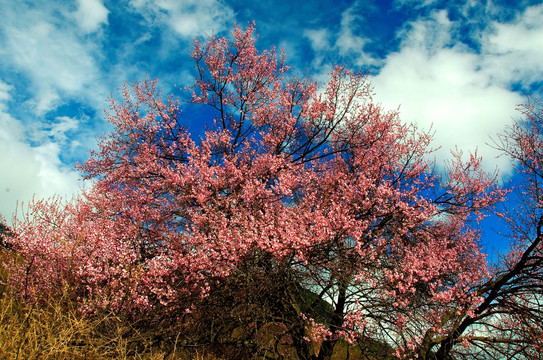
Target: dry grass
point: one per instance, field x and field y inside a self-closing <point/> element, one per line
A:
<point x="58" y="331"/>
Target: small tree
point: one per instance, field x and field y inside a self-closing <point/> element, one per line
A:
<point x="316" y="188"/>
<point x="509" y="321"/>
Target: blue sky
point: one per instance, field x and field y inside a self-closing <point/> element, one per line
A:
<point x="459" y="67"/>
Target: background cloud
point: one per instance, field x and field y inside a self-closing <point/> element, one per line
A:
<point x="443" y="85"/>
<point x="512" y="52"/>
<point x="187" y="18"/>
<point x="40" y="48"/>
<point x="90" y="15"/>
<point x="31" y="170"/>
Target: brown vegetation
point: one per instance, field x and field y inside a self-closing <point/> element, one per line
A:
<point x="57" y="330"/>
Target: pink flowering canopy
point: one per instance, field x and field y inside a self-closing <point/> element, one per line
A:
<point x="319" y="180"/>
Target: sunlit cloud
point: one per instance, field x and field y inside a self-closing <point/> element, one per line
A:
<point x="445" y="86"/>
<point x="187" y="18"/>
<point x="512" y="52"/>
<point x="30" y="171"/>
<point x="56" y="62"/>
<point x="90" y="15"/>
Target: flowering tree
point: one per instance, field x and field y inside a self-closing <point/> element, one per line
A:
<point x="317" y="188"/>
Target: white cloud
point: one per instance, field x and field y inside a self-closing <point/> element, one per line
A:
<point x="4" y="94"/>
<point x="464" y="96"/>
<point x="447" y="88"/>
<point x="347" y="42"/>
<point x="56" y="62"/>
<point x="61" y="127"/>
<point x="513" y="52"/>
<point x="188" y="18"/>
<point x="413" y="3"/>
<point x="29" y="171"/>
<point x="90" y="15"/>
<point x="319" y="38"/>
<point x="431" y="34"/>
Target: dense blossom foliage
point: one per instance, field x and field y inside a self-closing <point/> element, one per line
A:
<point x="316" y="186"/>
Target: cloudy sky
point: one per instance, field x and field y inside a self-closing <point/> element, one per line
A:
<point x="458" y="67"/>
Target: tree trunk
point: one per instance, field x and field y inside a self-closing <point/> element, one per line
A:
<point x="336" y="322"/>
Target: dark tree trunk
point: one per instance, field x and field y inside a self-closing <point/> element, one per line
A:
<point x="336" y="322"/>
